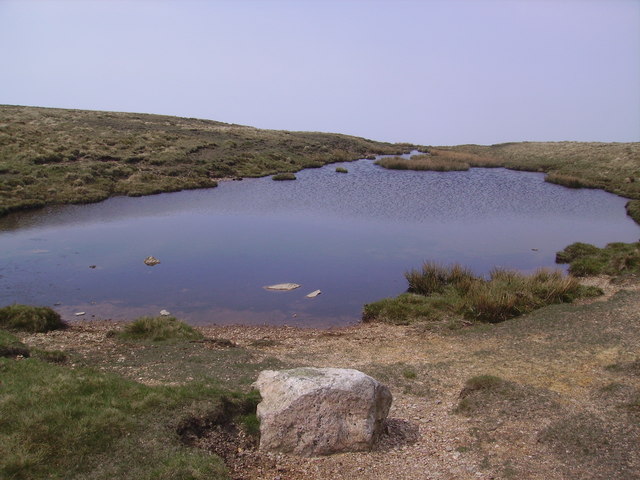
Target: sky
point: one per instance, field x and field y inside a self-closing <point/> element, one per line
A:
<point x="431" y="72"/>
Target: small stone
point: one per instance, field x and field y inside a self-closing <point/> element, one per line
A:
<point x="314" y="294"/>
<point x="92" y="266"/>
<point x="164" y="313"/>
<point x="79" y="314"/>
<point x="151" y="261"/>
<point x="283" y="286"/>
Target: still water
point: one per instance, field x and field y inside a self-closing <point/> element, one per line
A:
<point x="350" y="235"/>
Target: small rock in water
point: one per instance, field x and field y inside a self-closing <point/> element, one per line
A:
<point x="283" y="286"/>
<point x="164" y="313"/>
<point x="151" y="261"/>
<point x="92" y="266"/>
<point x="79" y="314"/>
<point x="313" y="294"/>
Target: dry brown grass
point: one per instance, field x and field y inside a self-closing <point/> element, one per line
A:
<point x="471" y="159"/>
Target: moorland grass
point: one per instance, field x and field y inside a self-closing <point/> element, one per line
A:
<point x="614" y="259"/>
<point x="633" y="209"/>
<point x="11" y="346"/>
<point x="341" y="170"/>
<point x="438" y="161"/>
<point x="53" y="156"/>
<point x="570" y="181"/>
<point x="438" y="292"/>
<point x="159" y="329"/>
<point x="72" y="423"/>
<point x="284" y="176"/>
<point x="29" y="319"/>
<point x="421" y="162"/>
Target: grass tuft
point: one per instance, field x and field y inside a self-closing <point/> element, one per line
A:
<point x="284" y="176"/>
<point x="614" y="259"/>
<point x="159" y="329"/>
<point x="437" y="292"/>
<point x="29" y="319"/>
<point x="570" y="181"/>
<point x="341" y="170"/>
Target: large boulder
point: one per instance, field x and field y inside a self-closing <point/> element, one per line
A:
<point x="319" y="411"/>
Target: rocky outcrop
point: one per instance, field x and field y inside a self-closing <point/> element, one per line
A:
<point x="320" y="411"/>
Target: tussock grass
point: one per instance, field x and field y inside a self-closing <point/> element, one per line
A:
<point x="421" y="162"/>
<point x="29" y="319"/>
<point x="52" y="156"/>
<point x="570" y="181"/>
<point x="58" y="422"/>
<point x="159" y="329"/>
<point x="341" y="170"/>
<point x="471" y="159"/>
<point x="614" y="259"/>
<point x="284" y="176"/>
<point x="438" y="292"/>
<point x="438" y="161"/>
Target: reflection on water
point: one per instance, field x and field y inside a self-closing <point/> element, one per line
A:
<point x="350" y="235"/>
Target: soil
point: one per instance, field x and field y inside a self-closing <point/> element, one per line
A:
<point x="567" y="405"/>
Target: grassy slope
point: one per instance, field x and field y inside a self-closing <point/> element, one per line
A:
<point x="70" y="420"/>
<point x="53" y="156"/>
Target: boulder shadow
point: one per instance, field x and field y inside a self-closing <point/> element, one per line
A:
<point x="398" y="433"/>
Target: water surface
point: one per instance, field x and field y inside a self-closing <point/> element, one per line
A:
<point x="350" y="235"/>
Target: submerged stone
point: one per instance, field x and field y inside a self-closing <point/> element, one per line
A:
<point x="283" y="286"/>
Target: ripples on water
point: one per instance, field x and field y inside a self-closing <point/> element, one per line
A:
<point x="350" y="235"/>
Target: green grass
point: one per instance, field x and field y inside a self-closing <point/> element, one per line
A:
<point x="29" y="319"/>
<point x="614" y="259"/>
<point x="341" y="170"/>
<point x="11" y="346"/>
<point x="633" y="209"/>
<point x="437" y="292"/>
<point x="63" y="423"/>
<point x="53" y="156"/>
<point x="284" y="176"/>
<point x="159" y="329"/>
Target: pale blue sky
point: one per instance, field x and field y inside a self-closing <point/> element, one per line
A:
<point x="429" y="72"/>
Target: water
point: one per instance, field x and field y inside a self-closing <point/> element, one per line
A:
<point x="350" y="235"/>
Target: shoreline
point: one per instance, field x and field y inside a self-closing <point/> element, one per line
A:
<point x="557" y="360"/>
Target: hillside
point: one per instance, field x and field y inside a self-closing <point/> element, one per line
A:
<point x="54" y="156"/>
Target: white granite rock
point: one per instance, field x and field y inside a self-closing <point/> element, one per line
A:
<point x="320" y="411"/>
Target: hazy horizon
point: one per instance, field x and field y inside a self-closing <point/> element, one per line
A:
<point x="427" y="72"/>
